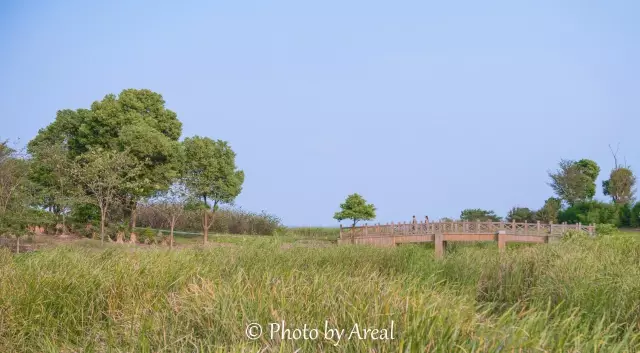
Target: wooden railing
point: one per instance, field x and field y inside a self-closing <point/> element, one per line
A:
<point x="463" y="227"/>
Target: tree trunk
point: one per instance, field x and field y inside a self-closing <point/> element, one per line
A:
<point x="64" y="224"/>
<point x="205" y="226"/>
<point x="132" y="224"/>
<point x="103" y="215"/>
<point x="173" y="223"/>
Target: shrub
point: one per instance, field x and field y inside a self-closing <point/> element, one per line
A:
<point x="590" y="212"/>
<point x="231" y="221"/>
<point x="634" y="218"/>
<point x="606" y="229"/>
<point x="147" y="236"/>
<point x="574" y="234"/>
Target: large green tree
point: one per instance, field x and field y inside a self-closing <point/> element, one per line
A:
<point x="355" y="208"/>
<point x="211" y="174"/>
<point x="136" y="121"/>
<point x="575" y="181"/>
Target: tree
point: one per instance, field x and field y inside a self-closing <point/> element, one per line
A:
<point x="549" y="212"/>
<point x="355" y="208"/>
<point x="15" y="193"/>
<point x="13" y="175"/>
<point x="620" y="185"/>
<point x="136" y="121"/>
<point x="575" y="181"/>
<point x="211" y="175"/>
<point x="52" y="172"/>
<point x="171" y="205"/>
<point x="103" y="174"/>
<point x="521" y="214"/>
<point x="474" y="214"/>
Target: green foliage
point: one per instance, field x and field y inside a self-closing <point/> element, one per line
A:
<point x="606" y="229"/>
<point x="620" y="185"/>
<point x="521" y="214"/>
<point x="474" y="214"/>
<point x="52" y="174"/>
<point x="355" y="208"/>
<point x="14" y="186"/>
<point x="624" y="214"/>
<point x="589" y="168"/>
<point x="135" y="121"/>
<point x="85" y="213"/>
<point x="103" y="174"/>
<point x="210" y="170"/>
<point x="147" y="236"/>
<point x="549" y="212"/>
<point x="574" y="235"/>
<point x="634" y="217"/>
<point x="575" y="181"/>
<point x="590" y="212"/>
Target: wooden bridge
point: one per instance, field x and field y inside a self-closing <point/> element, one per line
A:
<point x="463" y="231"/>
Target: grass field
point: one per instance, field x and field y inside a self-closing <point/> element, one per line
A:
<point x="582" y="295"/>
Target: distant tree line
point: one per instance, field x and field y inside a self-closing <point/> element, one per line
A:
<point x="98" y="166"/>
<point x="574" y="185"/>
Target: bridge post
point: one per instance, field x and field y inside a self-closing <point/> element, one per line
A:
<point x="502" y="240"/>
<point x="440" y="244"/>
<point x="538" y="231"/>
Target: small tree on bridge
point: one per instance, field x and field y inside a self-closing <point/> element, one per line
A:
<point x="355" y="208"/>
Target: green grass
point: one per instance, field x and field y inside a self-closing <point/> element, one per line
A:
<point x="582" y="295"/>
<point x="290" y="235"/>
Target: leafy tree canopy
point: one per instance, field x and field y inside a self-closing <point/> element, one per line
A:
<point x="136" y="121"/>
<point x="549" y="212"/>
<point x="521" y="214"/>
<point x="620" y="185"/>
<point x="210" y="170"/>
<point x="474" y="214"/>
<point x="355" y="208"/>
<point x="575" y="181"/>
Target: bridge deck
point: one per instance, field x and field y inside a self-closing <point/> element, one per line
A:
<point x="443" y="232"/>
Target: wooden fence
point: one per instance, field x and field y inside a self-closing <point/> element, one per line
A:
<point x="440" y="233"/>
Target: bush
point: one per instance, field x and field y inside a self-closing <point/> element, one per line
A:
<point x="229" y="221"/>
<point x="147" y="236"/>
<point x="591" y="212"/>
<point x="634" y="217"/>
<point x="606" y="229"/>
<point x="574" y="234"/>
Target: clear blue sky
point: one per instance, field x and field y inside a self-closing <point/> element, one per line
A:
<point x="424" y="107"/>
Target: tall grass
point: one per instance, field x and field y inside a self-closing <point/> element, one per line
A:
<point x="582" y="295"/>
<point x="226" y="221"/>
<point x="325" y="233"/>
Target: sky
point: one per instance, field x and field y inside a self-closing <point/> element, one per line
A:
<point x="423" y="107"/>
